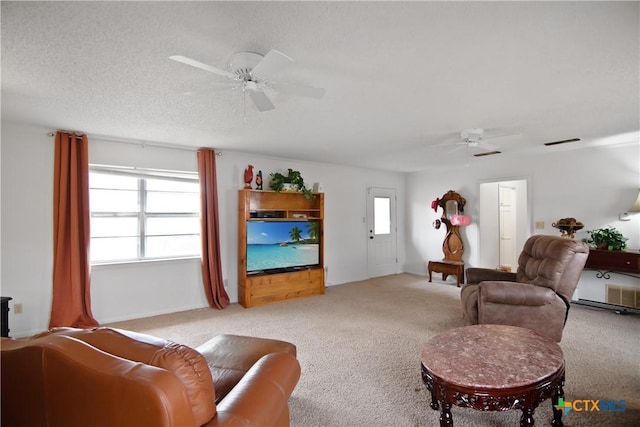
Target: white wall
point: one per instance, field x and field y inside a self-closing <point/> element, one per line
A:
<point x="345" y="251"/>
<point x="593" y="185"/>
<point x="131" y="290"/>
<point x="27" y="229"/>
<point x="135" y="290"/>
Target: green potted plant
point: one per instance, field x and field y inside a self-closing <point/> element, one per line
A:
<point x="607" y="238"/>
<point x="292" y="181"/>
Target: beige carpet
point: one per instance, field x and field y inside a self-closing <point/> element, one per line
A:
<point x="359" y="347"/>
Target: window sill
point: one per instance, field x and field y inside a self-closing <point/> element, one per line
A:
<point x="140" y="262"/>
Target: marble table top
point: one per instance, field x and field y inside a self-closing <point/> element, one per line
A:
<point x="491" y="356"/>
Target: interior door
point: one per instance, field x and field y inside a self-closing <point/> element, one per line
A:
<point x="508" y="231"/>
<point x="382" y="247"/>
<point x="504" y="226"/>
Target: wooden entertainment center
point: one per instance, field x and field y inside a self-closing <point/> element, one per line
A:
<point x="264" y="288"/>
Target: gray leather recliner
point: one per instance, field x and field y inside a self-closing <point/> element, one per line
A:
<point x="537" y="296"/>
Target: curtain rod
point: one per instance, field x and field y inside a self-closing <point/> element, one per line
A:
<point x="66" y="131"/>
<point x="132" y="141"/>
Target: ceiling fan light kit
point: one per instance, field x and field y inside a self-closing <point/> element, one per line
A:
<point x="476" y="138"/>
<point x="242" y="63"/>
<point x="255" y="73"/>
<point x="472" y="135"/>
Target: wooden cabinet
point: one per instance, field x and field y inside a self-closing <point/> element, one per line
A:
<point x="260" y="288"/>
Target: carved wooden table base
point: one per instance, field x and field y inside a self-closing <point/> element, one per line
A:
<point x="497" y="368"/>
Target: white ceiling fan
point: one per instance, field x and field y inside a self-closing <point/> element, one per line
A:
<point x="255" y="73"/>
<point x="476" y="138"/>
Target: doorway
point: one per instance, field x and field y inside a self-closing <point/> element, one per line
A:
<point x="382" y="247"/>
<point x="504" y="222"/>
<point x="508" y="255"/>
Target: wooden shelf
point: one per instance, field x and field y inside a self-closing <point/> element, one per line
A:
<point x="263" y="205"/>
<point x="276" y="214"/>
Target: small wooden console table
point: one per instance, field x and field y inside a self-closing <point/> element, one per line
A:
<point x="621" y="262"/>
<point x="493" y="368"/>
<point x="603" y="262"/>
<point x="454" y="268"/>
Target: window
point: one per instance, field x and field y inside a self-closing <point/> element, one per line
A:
<point x="382" y="215"/>
<point x="141" y="215"/>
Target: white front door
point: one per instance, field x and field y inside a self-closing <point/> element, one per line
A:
<point x="382" y="247"/>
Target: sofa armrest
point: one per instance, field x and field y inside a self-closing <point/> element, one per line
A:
<point x="522" y="304"/>
<point x="261" y="396"/>
<point x="477" y="275"/>
<point x="189" y="366"/>
<point x="229" y="357"/>
<point x="59" y="380"/>
<point x="514" y="293"/>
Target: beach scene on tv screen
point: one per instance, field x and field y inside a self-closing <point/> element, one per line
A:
<point x="282" y="244"/>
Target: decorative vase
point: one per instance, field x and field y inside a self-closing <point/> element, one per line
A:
<point x="568" y="227"/>
<point x="287" y="186"/>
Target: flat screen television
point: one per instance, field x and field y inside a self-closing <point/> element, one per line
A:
<point x="278" y="246"/>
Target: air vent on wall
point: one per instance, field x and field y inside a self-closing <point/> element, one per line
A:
<point x="621" y="295"/>
<point x="488" y="153"/>
<point x="564" y="141"/>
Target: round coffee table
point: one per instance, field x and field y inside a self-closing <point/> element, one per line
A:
<point x="493" y="368"/>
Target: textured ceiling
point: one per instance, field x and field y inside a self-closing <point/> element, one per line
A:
<point x="402" y="78"/>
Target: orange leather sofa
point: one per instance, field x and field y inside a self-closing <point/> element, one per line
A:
<point x="109" y="377"/>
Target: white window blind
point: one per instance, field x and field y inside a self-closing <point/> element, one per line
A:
<point x="142" y="214"/>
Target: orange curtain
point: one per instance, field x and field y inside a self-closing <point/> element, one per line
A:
<point x="210" y="232"/>
<point x="71" y="304"/>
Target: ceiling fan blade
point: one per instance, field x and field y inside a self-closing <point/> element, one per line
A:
<point x="210" y="86"/>
<point x="272" y="62"/>
<point x="487" y="147"/>
<point x="447" y="144"/>
<point x="263" y="103"/>
<point x="501" y="133"/>
<point x="299" y="90"/>
<point x="458" y="148"/>
<point x="202" y="66"/>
